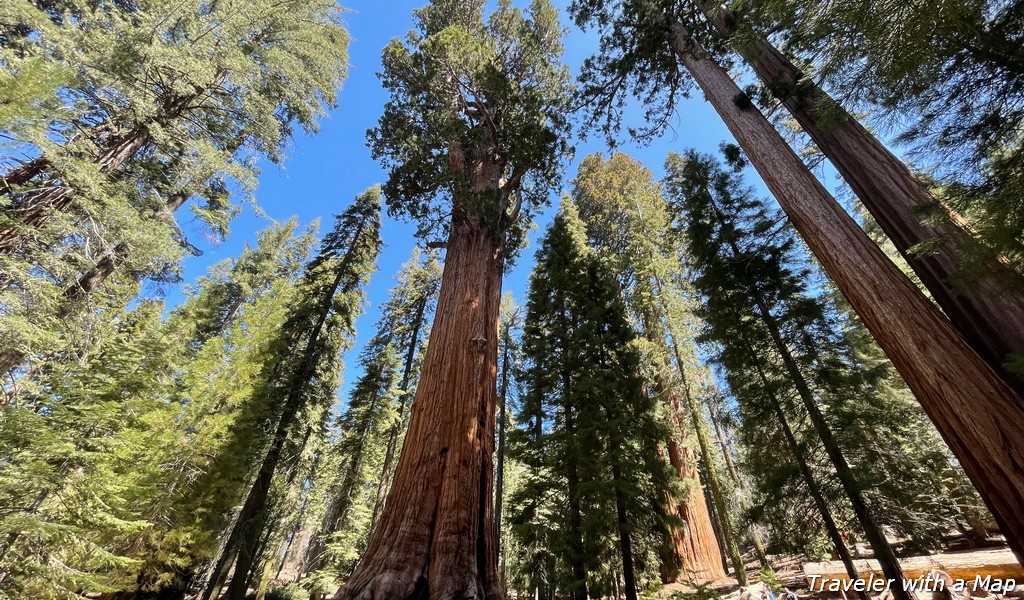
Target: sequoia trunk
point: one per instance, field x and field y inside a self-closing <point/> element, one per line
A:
<point x="436" y="536"/>
<point x="714" y="484"/>
<point x="989" y="317"/>
<point x="691" y="549"/>
<point x="695" y="543"/>
<point x="975" y="411"/>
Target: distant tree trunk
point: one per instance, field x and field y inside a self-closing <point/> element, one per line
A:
<point x="692" y="549"/>
<point x="755" y="539"/>
<point x="948" y="377"/>
<point x="694" y="546"/>
<point x="884" y="553"/>
<point x="342" y="497"/>
<point x="436" y="536"/>
<point x="578" y="589"/>
<point x="812" y="484"/>
<point x="990" y="316"/>
<point x="714" y="484"/>
<point x="816" y="495"/>
<point x="241" y="544"/>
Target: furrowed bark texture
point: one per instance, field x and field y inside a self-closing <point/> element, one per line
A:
<point x="436" y="536"/>
<point x="989" y="317"/>
<point x="695" y="543"/>
<point x="714" y="484"/>
<point x="691" y="553"/>
<point x="975" y="411"/>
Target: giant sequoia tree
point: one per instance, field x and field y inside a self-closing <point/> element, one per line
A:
<point x="357" y="479"/>
<point x="476" y="113"/>
<point x="646" y="43"/>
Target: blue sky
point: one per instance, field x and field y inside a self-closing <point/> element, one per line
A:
<point x="325" y="171"/>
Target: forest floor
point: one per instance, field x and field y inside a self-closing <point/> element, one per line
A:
<point x="792" y="572"/>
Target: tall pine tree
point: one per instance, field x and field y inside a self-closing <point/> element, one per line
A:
<point x="589" y="424"/>
<point x="299" y="383"/>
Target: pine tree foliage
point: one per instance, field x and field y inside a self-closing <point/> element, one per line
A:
<point x="99" y="449"/>
<point x="372" y="424"/>
<point x="151" y="104"/>
<point x="473" y="137"/>
<point x="744" y="254"/>
<point x="588" y="428"/>
<point x="300" y="378"/>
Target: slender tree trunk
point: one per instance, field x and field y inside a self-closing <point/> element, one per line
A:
<point x="241" y="544"/>
<point x="261" y="591"/>
<point x="730" y="465"/>
<point x="503" y="407"/>
<point x="884" y="553"/>
<point x="341" y="501"/>
<point x="625" y="544"/>
<point x="817" y="496"/>
<point x="578" y="590"/>
<point x="988" y="315"/>
<point x="948" y="377"/>
<point x="755" y="539"/>
<point x="812" y="484"/>
<point x="436" y="536"/>
<point x="396" y="429"/>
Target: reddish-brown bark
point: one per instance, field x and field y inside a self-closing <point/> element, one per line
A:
<point x="989" y="316"/>
<point x="695" y="543"/>
<point x="975" y="411"/>
<point x="436" y="536"/>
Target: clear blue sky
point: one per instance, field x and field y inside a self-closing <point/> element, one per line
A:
<point x="324" y="172"/>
